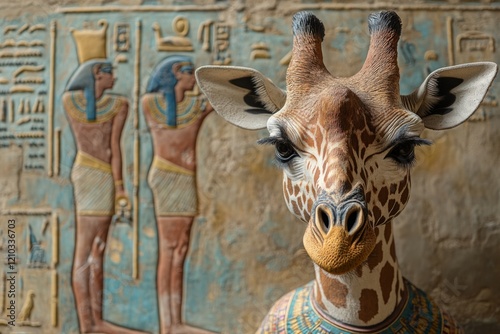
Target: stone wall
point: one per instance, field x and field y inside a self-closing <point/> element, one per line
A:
<point x="245" y="247"/>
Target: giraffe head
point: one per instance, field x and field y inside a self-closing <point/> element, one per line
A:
<point x="346" y="145"/>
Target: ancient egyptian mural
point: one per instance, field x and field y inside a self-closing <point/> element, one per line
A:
<point x="125" y="203"/>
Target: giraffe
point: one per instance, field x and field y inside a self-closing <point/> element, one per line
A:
<point x="346" y="147"/>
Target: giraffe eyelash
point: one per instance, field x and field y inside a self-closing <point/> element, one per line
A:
<point x="284" y="150"/>
<point x="403" y="153"/>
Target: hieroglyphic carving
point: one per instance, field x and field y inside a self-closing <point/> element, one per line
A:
<point x="204" y="34"/>
<point x="250" y="26"/>
<point x="23" y="28"/>
<point x="9" y="28"/>
<point x="36" y="251"/>
<point x="221" y="44"/>
<point x="21" y="87"/>
<point x="11" y="110"/>
<point x="475" y="41"/>
<point x="121" y="37"/>
<point x="180" y="42"/>
<point x="468" y="41"/>
<point x="3" y="110"/>
<point x="260" y="51"/>
<point x="37" y="27"/>
<point x="35" y="271"/>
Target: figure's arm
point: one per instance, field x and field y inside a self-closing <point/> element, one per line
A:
<point x="145" y="109"/>
<point x="116" y="154"/>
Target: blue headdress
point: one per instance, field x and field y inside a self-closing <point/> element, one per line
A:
<point x="83" y="79"/>
<point x="163" y="80"/>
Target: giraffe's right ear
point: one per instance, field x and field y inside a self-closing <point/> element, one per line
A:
<point x="242" y="96"/>
<point x="450" y="95"/>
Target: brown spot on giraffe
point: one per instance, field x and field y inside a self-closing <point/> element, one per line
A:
<point x="363" y="152"/>
<point x="340" y="295"/>
<point x="354" y="143"/>
<point x="289" y="187"/>
<point x="368" y="197"/>
<point x="295" y="207"/>
<point x="383" y="195"/>
<point x="386" y="279"/>
<point x="402" y="185"/>
<point x="393" y="188"/>
<point x="296" y="189"/>
<point x="363" y="176"/>
<point x="316" y="174"/>
<point x="377" y="214"/>
<point x="376" y="256"/>
<point x="404" y="195"/>
<point x="392" y="203"/>
<point x="299" y="202"/>
<point x="309" y="205"/>
<point x="354" y="165"/>
<point x="368" y="305"/>
<point x="393" y="250"/>
<point x="366" y="138"/>
<point x="395" y="209"/>
<point x="387" y="232"/>
<point x="305" y="213"/>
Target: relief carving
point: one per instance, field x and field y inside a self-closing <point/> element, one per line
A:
<point x="179" y="42"/>
<point x="174" y="118"/>
<point x="97" y="119"/>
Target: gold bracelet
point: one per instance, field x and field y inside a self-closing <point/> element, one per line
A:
<point x="118" y="183"/>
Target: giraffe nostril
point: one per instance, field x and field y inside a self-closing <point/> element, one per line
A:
<point x="325" y="220"/>
<point x="351" y="220"/>
<point x="354" y="219"/>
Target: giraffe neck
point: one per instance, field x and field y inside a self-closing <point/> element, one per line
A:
<point x="367" y="295"/>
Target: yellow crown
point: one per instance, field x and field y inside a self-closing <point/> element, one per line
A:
<point x="91" y="43"/>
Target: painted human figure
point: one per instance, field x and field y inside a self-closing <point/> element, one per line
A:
<point x="97" y="121"/>
<point x="174" y="119"/>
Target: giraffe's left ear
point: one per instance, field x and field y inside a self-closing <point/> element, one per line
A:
<point x="450" y="95"/>
<point x="242" y="96"/>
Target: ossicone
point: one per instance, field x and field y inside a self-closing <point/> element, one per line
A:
<point x="384" y="21"/>
<point x="305" y="23"/>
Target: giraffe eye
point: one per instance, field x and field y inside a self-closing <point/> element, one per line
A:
<point x="403" y="153"/>
<point x="284" y="151"/>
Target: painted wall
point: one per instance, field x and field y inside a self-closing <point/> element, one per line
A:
<point x="245" y="248"/>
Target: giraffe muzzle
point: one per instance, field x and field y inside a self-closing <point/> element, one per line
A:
<point x="350" y="215"/>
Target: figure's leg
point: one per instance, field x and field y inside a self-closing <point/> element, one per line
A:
<point x="183" y="230"/>
<point x="86" y="231"/>
<point x="88" y="275"/>
<point x="167" y="241"/>
<point x="175" y="233"/>
<point x="96" y="278"/>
